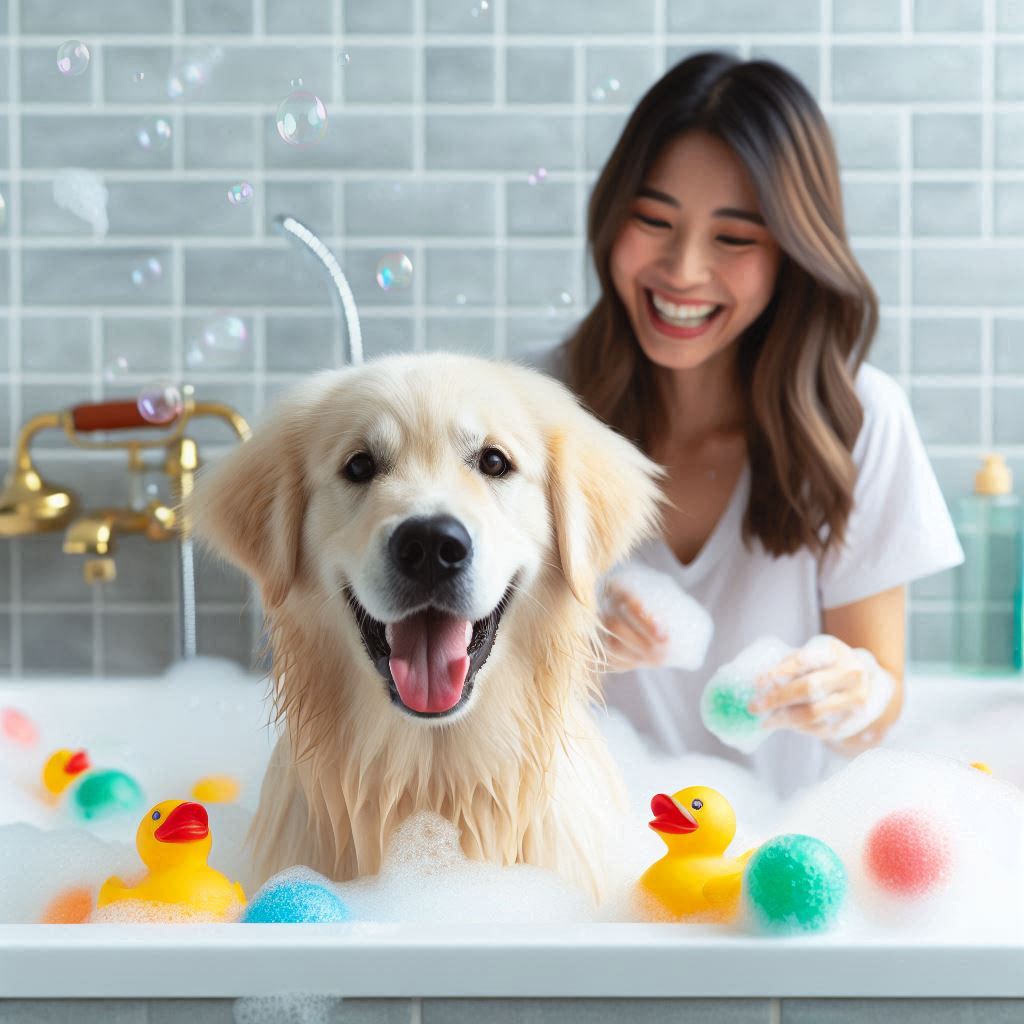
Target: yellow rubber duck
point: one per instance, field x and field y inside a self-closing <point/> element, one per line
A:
<point x="62" y="768"/>
<point x="694" y="880"/>
<point x="174" y="841"/>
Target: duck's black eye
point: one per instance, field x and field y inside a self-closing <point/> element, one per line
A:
<point x="359" y="468"/>
<point x="156" y="815"/>
<point x="493" y="462"/>
<point x="697" y="804"/>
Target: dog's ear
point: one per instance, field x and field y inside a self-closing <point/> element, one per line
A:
<point x="249" y="506"/>
<point x="605" y="496"/>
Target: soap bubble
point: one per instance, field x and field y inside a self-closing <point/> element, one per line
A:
<point x="345" y="60"/>
<point x="3" y="211"/>
<point x="394" y="271"/>
<point x="302" y="119"/>
<point x="139" y="76"/>
<point x="186" y="79"/>
<point x="240" y="193"/>
<point x="607" y="88"/>
<point x="221" y="342"/>
<point x="154" y="134"/>
<point x="72" y="58"/>
<point x="296" y="83"/>
<point x="115" y="368"/>
<point x="160" y="403"/>
<point x="481" y="8"/>
<point x="537" y="176"/>
<point x="460" y="299"/>
<point x="148" y="272"/>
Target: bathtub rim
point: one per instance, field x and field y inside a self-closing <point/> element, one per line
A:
<point x="602" y="960"/>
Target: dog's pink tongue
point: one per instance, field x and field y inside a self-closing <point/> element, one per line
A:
<point x="429" y="662"/>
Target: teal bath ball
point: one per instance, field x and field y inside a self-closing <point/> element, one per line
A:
<point x="795" y="883"/>
<point x="104" y="794"/>
<point x="296" y="902"/>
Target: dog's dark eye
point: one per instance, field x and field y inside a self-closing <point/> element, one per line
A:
<point x="493" y="463"/>
<point x="359" y="468"/>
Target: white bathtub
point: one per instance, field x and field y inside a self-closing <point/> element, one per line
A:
<point x="629" y="960"/>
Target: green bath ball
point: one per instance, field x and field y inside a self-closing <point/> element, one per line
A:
<point x="795" y="883"/>
<point x="102" y="794"/>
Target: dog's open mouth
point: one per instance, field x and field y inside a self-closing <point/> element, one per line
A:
<point x="430" y="659"/>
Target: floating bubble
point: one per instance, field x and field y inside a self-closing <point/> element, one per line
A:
<point x="220" y="342"/>
<point x="154" y="134"/>
<point x="302" y="119"/>
<point x="296" y="83"/>
<point x="148" y="272"/>
<point x="394" y="271"/>
<point x="72" y="58"/>
<point x="537" y="176"/>
<point x="116" y="368"/>
<point x="186" y="79"/>
<point x="565" y="299"/>
<point x="139" y="76"/>
<point x="240" y="193"/>
<point x="345" y="60"/>
<point x="606" y="89"/>
<point x="460" y="299"/>
<point x="481" y="8"/>
<point x="3" y="211"/>
<point x="160" y="403"/>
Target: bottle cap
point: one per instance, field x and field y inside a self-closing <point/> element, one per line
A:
<point x="994" y="477"/>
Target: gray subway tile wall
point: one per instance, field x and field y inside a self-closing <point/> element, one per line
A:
<point x="467" y="134"/>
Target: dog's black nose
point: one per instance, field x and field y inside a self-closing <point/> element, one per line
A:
<point x="431" y="548"/>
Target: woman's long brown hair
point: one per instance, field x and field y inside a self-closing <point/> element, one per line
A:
<point x="798" y="360"/>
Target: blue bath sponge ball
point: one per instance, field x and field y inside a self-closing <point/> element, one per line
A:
<point x="795" y="883"/>
<point x="295" y="902"/>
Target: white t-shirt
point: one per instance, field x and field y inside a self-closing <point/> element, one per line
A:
<point x="899" y="530"/>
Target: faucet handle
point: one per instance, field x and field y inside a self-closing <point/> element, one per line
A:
<point x="118" y="415"/>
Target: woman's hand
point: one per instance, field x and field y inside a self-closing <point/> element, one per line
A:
<point x="825" y="689"/>
<point x="635" y="640"/>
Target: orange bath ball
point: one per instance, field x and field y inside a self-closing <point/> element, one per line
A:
<point x="907" y="854"/>
<point x="71" y="906"/>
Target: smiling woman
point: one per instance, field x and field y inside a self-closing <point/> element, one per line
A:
<point x="728" y="342"/>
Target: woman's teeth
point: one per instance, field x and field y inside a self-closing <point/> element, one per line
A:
<point x="688" y="315"/>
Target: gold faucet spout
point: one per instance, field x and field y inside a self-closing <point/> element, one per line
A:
<point x="90" y="535"/>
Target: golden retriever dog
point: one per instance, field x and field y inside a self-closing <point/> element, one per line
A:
<point x="427" y="532"/>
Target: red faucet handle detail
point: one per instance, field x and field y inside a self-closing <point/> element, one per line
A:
<point x="120" y="415"/>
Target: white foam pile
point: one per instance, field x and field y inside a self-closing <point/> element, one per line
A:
<point x="209" y="718"/>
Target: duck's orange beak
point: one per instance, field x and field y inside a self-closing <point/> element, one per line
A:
<point x="187" y="823"/>
<point x="77" y="763"/>
<point x="670" y="817"/>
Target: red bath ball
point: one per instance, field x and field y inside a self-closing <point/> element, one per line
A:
<point x="907" y="854"/>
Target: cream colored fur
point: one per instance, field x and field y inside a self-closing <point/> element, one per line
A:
<point x="523" y="770"/>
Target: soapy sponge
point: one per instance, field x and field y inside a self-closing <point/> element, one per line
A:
<point x="684" y="620"/>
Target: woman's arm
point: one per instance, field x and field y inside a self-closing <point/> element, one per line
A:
<point x="878" y="624"/>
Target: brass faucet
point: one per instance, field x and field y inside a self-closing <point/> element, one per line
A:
<point x="29" y="504"/>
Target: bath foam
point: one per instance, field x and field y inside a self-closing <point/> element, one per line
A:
<point x="723" y="705"/>
<point x="982" y="819"/>
<point x="425" y="877"/>
<point x="687" y="623"/>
